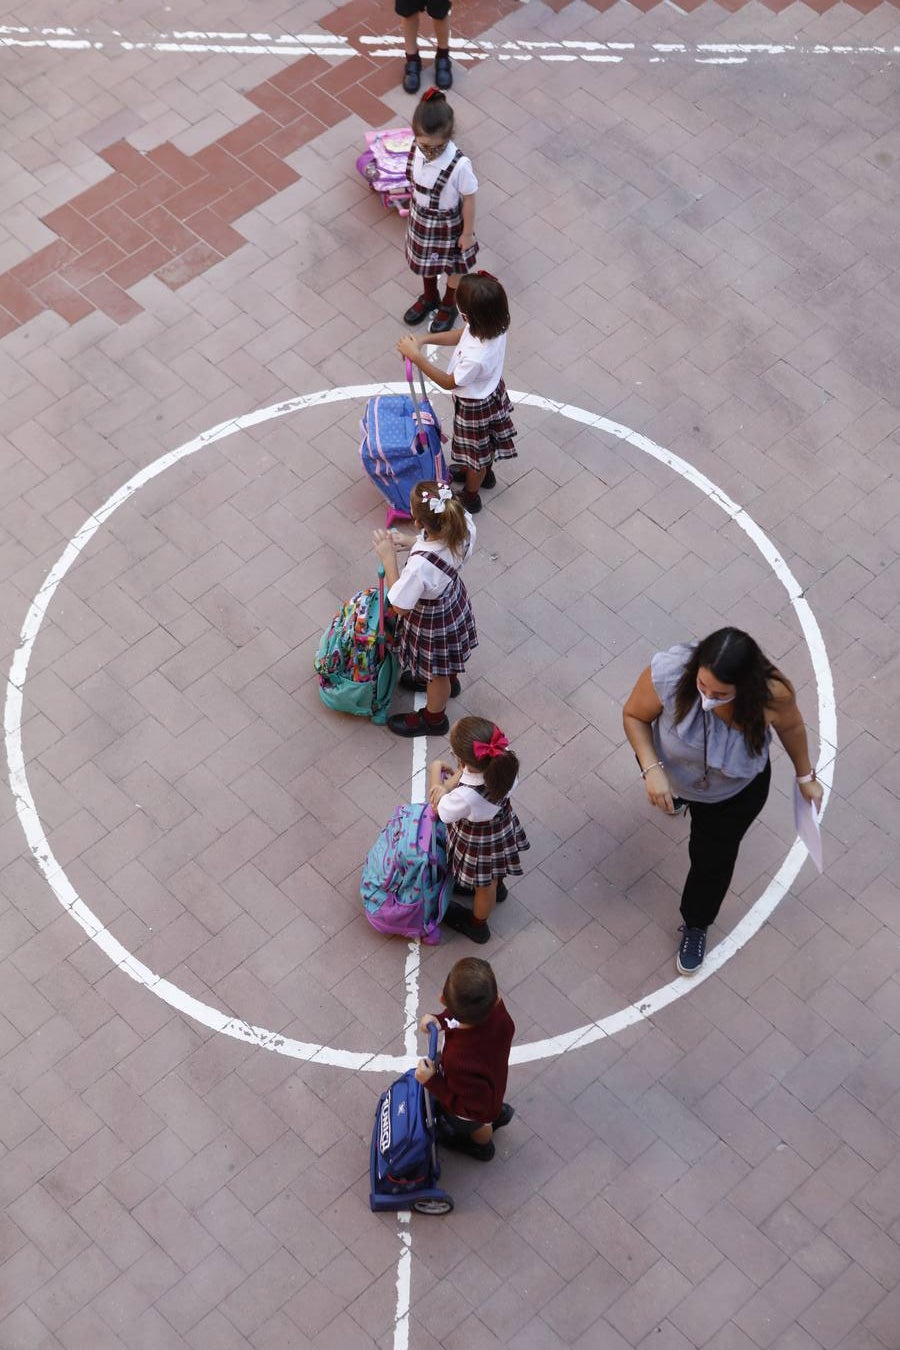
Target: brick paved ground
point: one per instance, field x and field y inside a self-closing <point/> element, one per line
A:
<point x="707" y="253"/>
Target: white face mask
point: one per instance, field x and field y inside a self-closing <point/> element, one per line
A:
<point x="707" y="704"/>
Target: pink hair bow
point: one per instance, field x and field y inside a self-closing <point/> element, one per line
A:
<point x="490" y="749"/>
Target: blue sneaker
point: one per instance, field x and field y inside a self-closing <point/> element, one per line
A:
<point x="692" y="950"/>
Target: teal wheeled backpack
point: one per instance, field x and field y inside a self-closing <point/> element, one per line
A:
<point x="356" y="667"/>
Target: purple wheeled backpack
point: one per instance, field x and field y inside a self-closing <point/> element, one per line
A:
<point x="406" y="883"/>
<point x="401" y="445"/>
<point x="383" y="166"/>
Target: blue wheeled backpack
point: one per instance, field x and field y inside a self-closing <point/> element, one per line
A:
<point x="406" y="883"/>
<point x="357" y="669"/>
<point x="403" y="1164"/>
<point x="401" y="445"/>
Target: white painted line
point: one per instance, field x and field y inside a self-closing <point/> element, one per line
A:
<point x="235" y="1027"/>
<point x="388" y="46"/>
<point x="404" y="1284"/>
<point x="419" y="778"/>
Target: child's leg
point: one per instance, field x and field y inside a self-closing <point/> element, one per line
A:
<point x="437" y="695"/>
<point x="484" y="902"/>
<point x="432" y="720"/>
<point x="443" y="66"/>
<point x="474" y="480"/>
<point x="411" y="33"/>
<point x="482" y="1135"/>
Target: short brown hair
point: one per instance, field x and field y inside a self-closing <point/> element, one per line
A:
<point x="481" y="298"/>
<point x="470" y="990"/>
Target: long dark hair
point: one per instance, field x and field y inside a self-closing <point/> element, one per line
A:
<point x="500" y="770"/>
<point x="733" y="658"/>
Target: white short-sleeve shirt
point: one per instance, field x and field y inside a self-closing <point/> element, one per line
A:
<point x="461" y="183"/>
<point x="464" y="803"/>
<point x="420" y="579"/>
<point x="477" y="364"/>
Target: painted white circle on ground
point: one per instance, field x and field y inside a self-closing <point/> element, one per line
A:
<point x="222" y="1022"/>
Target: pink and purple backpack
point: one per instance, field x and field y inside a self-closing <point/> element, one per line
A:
<point x="383" y="166"/>
<point x="406" y="883"/>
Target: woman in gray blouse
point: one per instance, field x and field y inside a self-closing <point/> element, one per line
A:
<point x="700" y="719"/>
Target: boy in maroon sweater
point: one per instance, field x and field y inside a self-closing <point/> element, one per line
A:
<point x="471" y="1079"/>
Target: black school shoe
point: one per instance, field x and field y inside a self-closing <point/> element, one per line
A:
<point x="458" y="474"/>
<point x="462" y="921"/>
<point x="502" y="892"/>
<point x="414" y="724"/>
<point x="412" y="74"/>
<point x="408" y="681"/>
<point x="420" y="310"/>
<point x="444" y="320"/>
<point x="443" y="72"/>
<point x="506" y="1114"/>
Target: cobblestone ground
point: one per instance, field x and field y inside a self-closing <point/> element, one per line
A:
<point x="701" y="244"/>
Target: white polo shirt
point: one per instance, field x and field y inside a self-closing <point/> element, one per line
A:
<point x="420" y="579"/>
<point x="464" y="803"/>
<point x="461" y="183"/>
<point x="477" y="365"/>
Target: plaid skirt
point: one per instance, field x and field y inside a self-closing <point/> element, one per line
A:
<point x="483" y="429"/>
<point x="437" y="636"/>
<point x="479" y="851"/>
<point x="432" y="242"/>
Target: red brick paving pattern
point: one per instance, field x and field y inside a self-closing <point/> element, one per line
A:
<point x="170" y="214"/>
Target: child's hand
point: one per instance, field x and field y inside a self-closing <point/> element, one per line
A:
<point x="426" y="1021"/>
<point x="408" y="346"/>
<point x="384" y="545"/>
<point x="435" y="795"/>
<point x="424" y="1071"/>
<point x="465" y="241"/>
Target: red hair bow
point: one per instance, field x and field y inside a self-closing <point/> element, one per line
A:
<point x="431" y="93"/>
<point x="490" y="749"/>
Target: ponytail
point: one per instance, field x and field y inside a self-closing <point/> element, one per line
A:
<point x="482" y="746"/>
<point x="433" y="506"/>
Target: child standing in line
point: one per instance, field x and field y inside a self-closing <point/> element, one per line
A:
<point x="484" y="836"/>
<point x="471" y="1080"/>
<point x="440" y="233"/>
<point x="439" y="13"/>
<point x="435" y="628"/>
<point x="482" y="413"/>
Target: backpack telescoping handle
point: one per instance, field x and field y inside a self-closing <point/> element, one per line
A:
<point x="421" y="434"/>
<point x="381" y="645"/>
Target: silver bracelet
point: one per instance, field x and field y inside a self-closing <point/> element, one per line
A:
<point x="807" y="777"/>
<point x="658" y="765"/>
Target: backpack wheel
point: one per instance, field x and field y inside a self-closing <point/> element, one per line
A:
<point x="433" y="1206"/>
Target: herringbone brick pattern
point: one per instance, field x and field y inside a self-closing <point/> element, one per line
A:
<point x="705" y="253"/>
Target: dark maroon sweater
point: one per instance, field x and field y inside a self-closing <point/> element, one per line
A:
<point x="472" y="1077"/>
